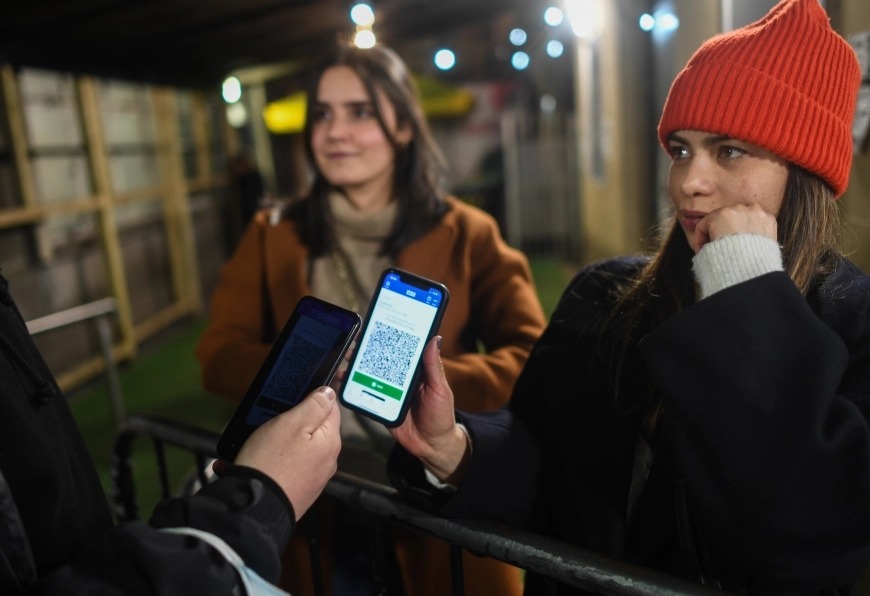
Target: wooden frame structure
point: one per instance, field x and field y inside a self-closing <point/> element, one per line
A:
<point x="171" y="193"/>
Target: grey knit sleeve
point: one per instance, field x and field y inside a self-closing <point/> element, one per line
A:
<point x="733" y="259"/>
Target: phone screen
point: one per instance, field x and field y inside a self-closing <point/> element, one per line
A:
<point x="304" y="357"/>
<point x="404" y="314"/>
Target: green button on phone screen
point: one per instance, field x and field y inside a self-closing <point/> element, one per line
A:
<point x="375" y="385"/>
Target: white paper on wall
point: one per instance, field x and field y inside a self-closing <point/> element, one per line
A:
<point x="861" y="124"/>
<point x="860" y="42"/>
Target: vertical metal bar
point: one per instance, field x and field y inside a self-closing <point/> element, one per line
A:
<point x="116" y="401"/>
<point x="201" y="463"/>
<point x="162" y="469"/>
<point x="727" y="15"/>
<point x="457" y="575"/>
<point x="510" y="140"/>
<point x="379" y="545"/>
<point x="126" y="506"/>
<point x="309" y="520"/>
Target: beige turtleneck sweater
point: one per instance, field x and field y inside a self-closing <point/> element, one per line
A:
<point x="359" y="237"/>
<point x="365" y="443"/>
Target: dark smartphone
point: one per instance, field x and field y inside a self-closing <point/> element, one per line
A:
<point x="404" y="314"/>
<point x="305" y="356"/>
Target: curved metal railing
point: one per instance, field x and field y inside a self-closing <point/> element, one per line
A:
<point x="545" y="556"/>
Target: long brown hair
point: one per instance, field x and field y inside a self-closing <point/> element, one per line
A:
<point x="419" y="164"/>
<point x="808" y="228"/>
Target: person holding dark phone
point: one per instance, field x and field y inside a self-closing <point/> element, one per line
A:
<point x="57" y="532"/>
<point x="305" y="356"/>
<point x="376" y="201"/>
<point x="703" y="410"/>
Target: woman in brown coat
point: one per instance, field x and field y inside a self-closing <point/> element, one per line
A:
<point x="375" y="202"/>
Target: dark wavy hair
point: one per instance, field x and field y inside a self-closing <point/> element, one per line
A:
<point x="419" y="164"/>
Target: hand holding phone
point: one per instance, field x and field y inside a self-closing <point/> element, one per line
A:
<point x="305" y="356"/>
<point x="298" y="449"/>
<point x="429" y="431"/>
<point x="404" y="314"/>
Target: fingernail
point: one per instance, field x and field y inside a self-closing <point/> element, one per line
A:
<point x="329" y="393"/>
<point x="439" y="343"/>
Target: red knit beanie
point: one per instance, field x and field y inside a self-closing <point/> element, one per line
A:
<point x="787" y="83"/>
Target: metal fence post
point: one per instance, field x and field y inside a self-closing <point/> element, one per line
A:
<point x="99" y="310"/>
<point x="116" y="401"/>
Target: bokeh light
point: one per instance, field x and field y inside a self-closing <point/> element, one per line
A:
<point x="520" y="60"/>
<point x="646" y="22"/>
<point x="668" y="22"/>
<point x="364" y="39"/>
<point x="237" y="115"/>
<point x="231" y="90"/>
<point x="554" y="16"/>
<point x="362" y="15"/>
<point x="555" y="48"/>
<point x="445" y="59"/>
<point x="517" y="36"/>
<point x="548" y="103"/>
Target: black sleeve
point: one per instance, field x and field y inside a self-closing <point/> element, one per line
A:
<point x="761" y="401"/>
<point x="497" y="486"/>
<point x="244" y="508"/>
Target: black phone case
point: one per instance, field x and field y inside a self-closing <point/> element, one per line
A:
<point x="415" y="280"/>
<point x="238" y="429"/>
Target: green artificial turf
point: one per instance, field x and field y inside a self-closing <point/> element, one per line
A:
<point x="551" y="277"/>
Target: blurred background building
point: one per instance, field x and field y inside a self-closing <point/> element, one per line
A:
<point x="120" y="121"/>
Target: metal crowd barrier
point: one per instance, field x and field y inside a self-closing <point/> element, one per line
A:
<point x="99" y="311"/>
<point x="545" y="556"/>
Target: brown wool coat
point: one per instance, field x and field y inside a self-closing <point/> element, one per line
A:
<point x="492" y="301"/>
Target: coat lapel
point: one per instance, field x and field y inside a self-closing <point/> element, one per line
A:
<point x="430" y="253"/>
<point x="285" y="275"/>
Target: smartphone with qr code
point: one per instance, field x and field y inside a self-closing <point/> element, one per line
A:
<point x="404" y="314"/>
<point x="305" y="356"/>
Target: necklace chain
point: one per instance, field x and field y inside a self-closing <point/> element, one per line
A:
<point x="345" y="277"/>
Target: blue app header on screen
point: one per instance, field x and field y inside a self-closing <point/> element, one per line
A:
<point x="394" y="283"/>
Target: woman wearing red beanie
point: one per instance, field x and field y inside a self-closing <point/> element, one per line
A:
<point x="704" y="410"/>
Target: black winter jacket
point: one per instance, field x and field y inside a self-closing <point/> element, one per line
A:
<point x="760" y="481"/>
<point x="56" y="530"/>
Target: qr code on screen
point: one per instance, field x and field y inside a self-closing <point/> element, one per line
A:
<point x="292" y="372"/>
<point x="388" y="354"/>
